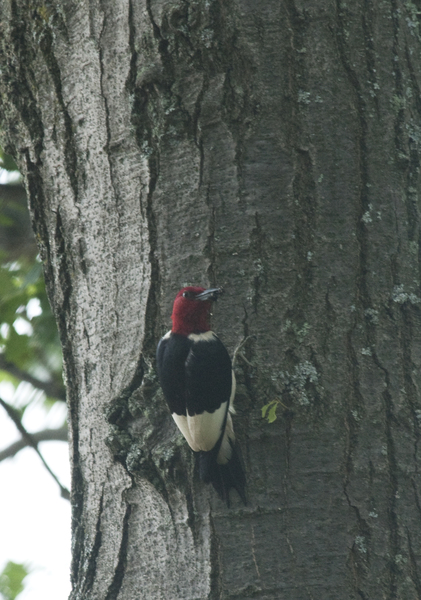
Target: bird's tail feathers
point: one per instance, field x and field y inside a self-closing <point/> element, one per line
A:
<point x="222" y="477"/>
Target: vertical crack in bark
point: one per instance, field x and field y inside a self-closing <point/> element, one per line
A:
<point x="196" y="130"/>
<point x="245" y="367"/>
<point x="144" y="134"/>
<point x="38" y="206"/>
<point x="304" y="191"/>
<point x="105" y="101"/>
<point x="61" y="299"/>
<point x="356" y="402"/>
<point x="369" y="26"/>
<point x="400" y="113"/>
<point x="411" y="393"/>
<point x="406" y="338"/>
<point x="416" y="496"/>
<point x="393" y="486"/>
<point x="414" y="161"/>
<point x="291" y="101"/>
<point x="361" y="294"/>
<point x="77" y="495"/>
<point x="404" y="132"/>
<point x="392" y="513"/>
<point x="304" y="187"/>
<point x="215" y="592"/>
<point x="115" y="586"/>
<point x="91" y="559"/>
<point x="288" y="417"/>
<point x="329" y="323"/>
<point x="403" y="139"/>
<point x="148" y="145"/>
<point x="166" y="58"/>
<point x="73" y="169"/>
<point x="22" y="97"/>
<point x="152" y="319"/>
<point x="192" y="521"/>
<point x="414" y="570"/>
<point x="412" y="165"/>
<point x="238" y="102"/>
<point x="62" y="313"/>
<point x="360" y="109"/>
<point x="20" y="90"/>
<point x="210" y="252"/>
<point x="132" y="75"/>
<point x="257" y="242"/>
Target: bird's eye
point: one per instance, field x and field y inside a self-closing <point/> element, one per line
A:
<point x="188" y="294"/>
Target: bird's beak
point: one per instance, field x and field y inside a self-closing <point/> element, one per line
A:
<point x="211" y="294"/>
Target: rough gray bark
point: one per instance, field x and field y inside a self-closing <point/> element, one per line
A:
<point x="271" y="148"/>
<point x="16" y="236"/>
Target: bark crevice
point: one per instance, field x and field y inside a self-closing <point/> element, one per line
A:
<point x="115" y="586"/>
<point x="88" y="563"/>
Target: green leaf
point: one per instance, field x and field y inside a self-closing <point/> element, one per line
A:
<point x="11" y="580"/>
<point x="265" y="408"/>
<point x="269" y="410"/>
<point x="271" y="416"/>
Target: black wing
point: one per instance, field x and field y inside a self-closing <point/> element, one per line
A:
<point x="208" y="376"/>
<point x="171" y="356"/>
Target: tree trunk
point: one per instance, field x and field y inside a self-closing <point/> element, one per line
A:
<point x="271" y="148"/>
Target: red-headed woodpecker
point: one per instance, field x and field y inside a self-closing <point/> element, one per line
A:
<point x="195" y="373"/>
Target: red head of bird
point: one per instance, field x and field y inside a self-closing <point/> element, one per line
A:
<point x="191" y="310"/>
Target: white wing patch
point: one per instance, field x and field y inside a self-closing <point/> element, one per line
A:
<point x="181" y="422"/>
<point x="225" y="451"/>
<point x="206" y="429"/>
<point x="203" y="431"/>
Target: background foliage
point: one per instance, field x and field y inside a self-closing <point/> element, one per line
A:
<point x="29" y="344"/>
<point x="11" y="580"/>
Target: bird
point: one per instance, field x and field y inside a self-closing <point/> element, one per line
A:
<point x="195" y="373"/>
